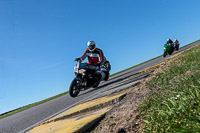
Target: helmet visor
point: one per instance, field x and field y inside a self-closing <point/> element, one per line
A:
<point x="91" y="47"/>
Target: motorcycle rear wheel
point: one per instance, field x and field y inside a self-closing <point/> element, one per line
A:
<point x="177" y="48"/>
<point x="96" y="84"/>
<point x="107" y="76"/>
<point x="107" y="65"/>
<point x="74" y="88"/>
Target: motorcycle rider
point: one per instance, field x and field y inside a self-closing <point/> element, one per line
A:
<point x="169" y="42"/>
<point x="95" y="57"/>
<point x="176" y="43"/>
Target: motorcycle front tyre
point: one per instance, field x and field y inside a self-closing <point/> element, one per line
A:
<point x="165" y="53"/>
<point x="74" y="88"/>
<point x="177" y="48"/>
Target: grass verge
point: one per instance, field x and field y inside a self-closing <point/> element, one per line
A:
<point x="175" y="104"/>
<point x="29" y="106"/>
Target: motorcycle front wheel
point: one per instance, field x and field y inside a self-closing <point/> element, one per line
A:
<point x="75" y="87"/>
<point x="165" y="53"/>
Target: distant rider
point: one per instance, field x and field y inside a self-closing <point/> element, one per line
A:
<point x="95" y="57"/>
<point x="169" y="42"/>
<point x="176" y="43"/>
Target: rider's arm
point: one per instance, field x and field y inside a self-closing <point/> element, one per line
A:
<point x="101" y="56"/>
<point x="84" y="55"/>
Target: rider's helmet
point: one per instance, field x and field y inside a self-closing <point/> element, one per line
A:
<point x="91" y="45"/>
<point x="169" y="41"/>
<point x="175" y="40"/>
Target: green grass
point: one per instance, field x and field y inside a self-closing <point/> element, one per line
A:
<point x="29" y="106"/>
<point x="175" y="104"/>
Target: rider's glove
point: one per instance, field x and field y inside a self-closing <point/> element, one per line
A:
<point x="77" y="59"/>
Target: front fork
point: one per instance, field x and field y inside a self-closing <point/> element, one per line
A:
<point x="82" y="83"/>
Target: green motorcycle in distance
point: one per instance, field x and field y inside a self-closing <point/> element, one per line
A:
<point x="168" y="49"/>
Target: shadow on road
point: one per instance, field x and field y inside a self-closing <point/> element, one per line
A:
<point x="106" y="84"/>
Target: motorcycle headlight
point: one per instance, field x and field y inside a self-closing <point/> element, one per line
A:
<point x="82" y="71"/>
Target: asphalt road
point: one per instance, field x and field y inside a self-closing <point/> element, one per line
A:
<point x="24" y="120"/>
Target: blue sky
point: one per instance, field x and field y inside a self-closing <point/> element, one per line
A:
<point x="39" y="39"/>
